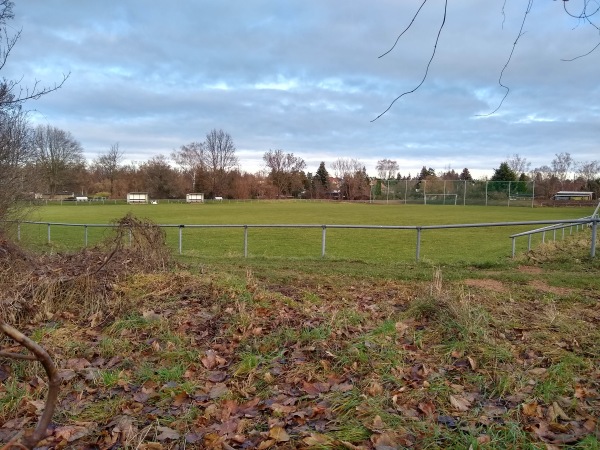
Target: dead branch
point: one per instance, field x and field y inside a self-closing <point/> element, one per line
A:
<point x="437" y="39"/>
<point x="512" y="51"/>
<point x="30" y="441"/>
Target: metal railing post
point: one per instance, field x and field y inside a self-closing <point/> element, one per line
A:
<point x="594" y="235"/>
<point x="48" y="233"/>
<point x="543" y="237"/>
<point x="245" y="241"/>
<point x="323" y="237"/>
<point x="181" y="239"/>
<point x="513" y="247"/>
<point x="19" y="232"/>
<point x="529" y="243"/>
<point x="418" y="243"/>
<point x="85" y="235"/>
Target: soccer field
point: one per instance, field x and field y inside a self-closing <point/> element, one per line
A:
<point x="369" y="245"/>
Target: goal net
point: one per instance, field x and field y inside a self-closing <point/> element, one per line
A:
<point x="440" y="199"/>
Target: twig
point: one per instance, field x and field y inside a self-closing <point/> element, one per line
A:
<point x="29" y="442"/>
<point x="521" y="33"/>
<point x="428" y="64"/>
<point x="17" y="356"/>
<point x="406" y="29"/>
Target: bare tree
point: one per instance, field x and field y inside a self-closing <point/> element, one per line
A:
<point x="11" y="91"/>
<point x="518" y="164"/>
<point x="56" y="153"/>
<point x="284" y="171"/>
<point x="588" y="170"/>
<point x="353" y="177"/>
<point x="160" y="178"/>
<point x="219" y="158"/>
<point x="15" y="154"/>
<point x="561" y="165"/>
<point x="387" y="168"/>
<point x="108" y="164"/>
<point x="191" y="159"/>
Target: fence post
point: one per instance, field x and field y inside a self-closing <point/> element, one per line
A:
<point x="19" y="231"/>
<point x="323" y="236"/>
<point x="181" y="238"/>
<point x="245" y="241"/>
<point x="529" y="243"/>
<point x="85" y="235"/>
<point x="418" y="243"/>
<point x="594" y="234"/>
<point x="513" y="246"/>
<point x="48" y="232"/>
<point x="486" y="194"/>
<point x="543" y="237"/>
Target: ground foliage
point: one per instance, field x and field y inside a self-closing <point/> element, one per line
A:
<point x="251" y="358"/>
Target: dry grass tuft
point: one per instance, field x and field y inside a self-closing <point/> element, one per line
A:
<point x="82" y="283"/>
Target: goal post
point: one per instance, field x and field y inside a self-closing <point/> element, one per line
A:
<point x="440" y="199"/>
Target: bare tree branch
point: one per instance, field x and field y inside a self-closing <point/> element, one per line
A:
<point x="406" y="29"/>
<point x="521" y="33"/>
<point x="428" y="64"/>
<point x="30" y="441"/>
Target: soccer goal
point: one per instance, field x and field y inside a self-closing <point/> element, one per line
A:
<point x="440" y="199"/>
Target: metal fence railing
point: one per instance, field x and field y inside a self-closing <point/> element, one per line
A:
<point x="591" y="221"/>
<point x="552" y="225"/>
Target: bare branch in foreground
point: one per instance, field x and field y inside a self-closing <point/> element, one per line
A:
<point x="521" y="33"/>
<point x="30" y="441"/>
<point x="428" y="64"/>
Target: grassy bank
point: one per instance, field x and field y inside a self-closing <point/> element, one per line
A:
<point x="269" y="353"/>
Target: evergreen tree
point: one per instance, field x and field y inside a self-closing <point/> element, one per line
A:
<point x="465" y="175"/>
<point x="504" y="173"/>
<point x="322" y="175"/>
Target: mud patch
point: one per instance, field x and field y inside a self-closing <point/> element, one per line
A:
<point x="542" y="286"/>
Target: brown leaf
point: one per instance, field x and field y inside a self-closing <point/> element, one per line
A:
<point x="266" y="444"/>
<point x="77" y="363"/>
<point x="218" y="390"/>
<point x="279" y="434"/>
<point x="71" y="433"/>
<point x="378" y="423"/>
<point x="532" y="409"/>
<point x="167" y="433"/>
<point x="375" y="389"/>
<point x="427" y="408"/>
<point x="460" y="403"/>
<point x="316" y="439"/>
<point x="180" y="399"/>
<point x="216" y="376"/>
<point x="315" y="388"/>
<point x="210" y="360"/>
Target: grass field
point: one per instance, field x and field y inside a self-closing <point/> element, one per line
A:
<point x="466" y="245"/>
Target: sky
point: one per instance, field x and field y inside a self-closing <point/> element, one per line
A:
<point x="304" y="76"/>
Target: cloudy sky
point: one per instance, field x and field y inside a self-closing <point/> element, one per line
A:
<point x="304" y="76"/>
